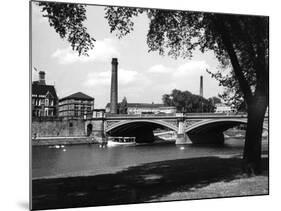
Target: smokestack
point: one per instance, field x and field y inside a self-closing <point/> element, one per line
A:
<point x="201" y="86"/>
<point x="114" y="87"/>
<point x="42" y="78"/>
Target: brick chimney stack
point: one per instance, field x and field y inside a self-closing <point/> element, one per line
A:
<point x="42" y="78"/>
<point x="114" y="87"/>
<point x="201" y="86"/>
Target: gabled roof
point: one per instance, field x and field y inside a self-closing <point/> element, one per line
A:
<point x="77" y="96"/>
<point x="43" y="90"/>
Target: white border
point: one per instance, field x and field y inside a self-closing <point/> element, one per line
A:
<point x="15" y="94"/>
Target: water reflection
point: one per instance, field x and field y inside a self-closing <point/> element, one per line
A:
<point x="96" y="159"/>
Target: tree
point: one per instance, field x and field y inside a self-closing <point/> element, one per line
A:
<point x="67" y="19"/>
<point x="231" y="94"/>
<point x="239" y="42"/>
<point x="214" y="100"/>
<point x="185" y="101"/>
<point x="123" y="108"/>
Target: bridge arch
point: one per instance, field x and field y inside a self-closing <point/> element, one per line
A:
<point x="139" y="121"/>
<point x="212" y="123"/>
<point x="211" y="130"/>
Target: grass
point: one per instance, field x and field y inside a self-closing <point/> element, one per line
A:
<point x="181" y="179"/>
<point x="238" y="187"/>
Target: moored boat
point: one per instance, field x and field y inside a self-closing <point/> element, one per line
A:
<point x="119" y="141"/>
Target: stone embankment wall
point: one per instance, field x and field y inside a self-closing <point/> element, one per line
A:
<point x="97" y="130"/>
<point x="56" y="132"/>
<point x="58" y="128"/>
<point x="63" y="141"/>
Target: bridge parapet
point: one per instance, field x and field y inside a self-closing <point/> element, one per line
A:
<point x="171" y="120"/>
<point x="198" y="127"/>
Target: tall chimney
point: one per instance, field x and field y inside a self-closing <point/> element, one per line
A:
<point x="42" y="78"/>
<point x="201" y="86"/>
<point x="114" y="87"/>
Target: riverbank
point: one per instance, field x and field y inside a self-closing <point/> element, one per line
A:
<point x="51" y="141"/>
<point x="180" y="179"/>
<point x="60" y="141"/>
<point x="242" y="186"/>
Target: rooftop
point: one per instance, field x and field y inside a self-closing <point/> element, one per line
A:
<point x="77" y="96"/>
<point x="38" y="89"/>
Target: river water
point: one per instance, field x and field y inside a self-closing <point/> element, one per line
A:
<point x="78" y="160"/>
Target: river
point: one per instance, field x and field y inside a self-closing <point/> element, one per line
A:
<point x="92" y="159"/>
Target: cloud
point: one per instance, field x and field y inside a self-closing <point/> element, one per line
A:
<point x="144" y="86"/>
<point x="188" y="68"/>
<point x="96" y="79"/>
<point x="159" y="68"/>
<point x="125" y="77"/>
<point x="191" y="68"/>
<point x="102" y="51"/>
<point x="184" y="76"/>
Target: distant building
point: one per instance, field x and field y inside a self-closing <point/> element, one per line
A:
<point x="76" y="106"/>
<point x="98" y="113"/>
<point x="44" y="98"/>
<point x="146" y="108"/>
<point x="223" y="108"/>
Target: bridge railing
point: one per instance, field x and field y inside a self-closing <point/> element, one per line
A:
<point x="179" y="115"/>
<point x="216" y="114"/>
<point x="138" y="115"/>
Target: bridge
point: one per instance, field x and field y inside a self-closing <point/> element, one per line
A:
<point x="190" y="128"/>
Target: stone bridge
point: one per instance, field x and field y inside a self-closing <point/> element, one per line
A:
<point x="190" y="128"/>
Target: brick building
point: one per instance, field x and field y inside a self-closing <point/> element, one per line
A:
<point x="76" y="106"/>
<point x="44" y="98"/>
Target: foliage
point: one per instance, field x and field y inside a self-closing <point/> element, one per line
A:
<point x="67" y="20"/>
<point x="232" y="94"/>
<point x="241" y="41"/>
<point x="123" y="106"/>
<point x="185" y="101"/>
<point x="214" y="100"/>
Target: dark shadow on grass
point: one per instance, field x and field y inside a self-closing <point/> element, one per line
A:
<point x="136" y="184"/>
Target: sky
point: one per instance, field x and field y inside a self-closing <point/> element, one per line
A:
<point x="143" y="77"/>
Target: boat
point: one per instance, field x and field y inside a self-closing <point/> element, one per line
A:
<point x="121" y="141"/>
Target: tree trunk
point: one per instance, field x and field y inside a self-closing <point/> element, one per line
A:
<point x="252" y="149"/>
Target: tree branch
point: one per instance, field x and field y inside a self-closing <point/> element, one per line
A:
<point x="245" y="88"/>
